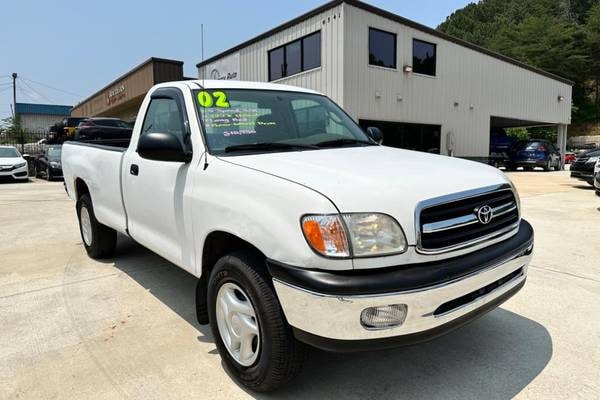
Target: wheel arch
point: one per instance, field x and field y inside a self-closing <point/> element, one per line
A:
<point x="217" y="244"/>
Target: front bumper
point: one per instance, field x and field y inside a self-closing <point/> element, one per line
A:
<point x="587" y="176"/>
<point x="324" y="308"/>
<point x="15" y="173"/>
<point x="529" y="163"/>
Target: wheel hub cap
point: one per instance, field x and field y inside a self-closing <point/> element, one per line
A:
<point x="237" y="323"/>
<point x="86" y="226"/>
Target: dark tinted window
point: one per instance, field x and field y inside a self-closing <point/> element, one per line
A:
<point x="111" y="122"/>
<point x="163" y="116"/>
<point x="311" y="51"/>
<point x="294" y="57"/>
<point x="424" y="57"/>
<point x="382" y="48"/>
<point x="276" y="64"/>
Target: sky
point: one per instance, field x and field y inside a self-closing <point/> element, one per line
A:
<point x="67" y="50"/>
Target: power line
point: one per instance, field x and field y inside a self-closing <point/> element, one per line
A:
<point x="51" y="87"/>
<point x="24" y="93"/>
<point x="38" y="93"/>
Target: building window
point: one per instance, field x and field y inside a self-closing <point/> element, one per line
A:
<point x="424" y="57"/>
<point x="382" y="48"/>
<point x="300" y="55"/>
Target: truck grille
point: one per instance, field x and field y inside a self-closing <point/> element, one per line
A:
<point x="467" y="220"/>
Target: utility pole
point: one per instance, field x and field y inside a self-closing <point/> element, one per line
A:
<point x="14" y="76"/>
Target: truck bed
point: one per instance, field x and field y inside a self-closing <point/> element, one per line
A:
<point x="98" y="165"/>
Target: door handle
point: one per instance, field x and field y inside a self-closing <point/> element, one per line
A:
<point x="134" y="169"/>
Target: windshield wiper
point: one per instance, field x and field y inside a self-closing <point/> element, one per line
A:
<point x="342" y="142"/>
<point x="268" y="146"/>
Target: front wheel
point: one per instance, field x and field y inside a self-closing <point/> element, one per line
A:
<point x="48" y="174"/>
<point x="251" y="334"/>
<point x="99" y="240"/>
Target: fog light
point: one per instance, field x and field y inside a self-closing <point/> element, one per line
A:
<point x="383" y="317"/>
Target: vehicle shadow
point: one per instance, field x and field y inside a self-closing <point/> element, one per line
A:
<point x="494" y="357"/>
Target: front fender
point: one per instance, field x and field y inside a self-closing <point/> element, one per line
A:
<point x="261" y="209"/>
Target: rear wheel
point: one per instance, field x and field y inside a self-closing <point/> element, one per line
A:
<point x="251" y="334"/>
<point x="99" y="240"/>
<point x="548" y="165"/>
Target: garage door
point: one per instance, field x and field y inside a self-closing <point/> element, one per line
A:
<point x="420" y="137"/>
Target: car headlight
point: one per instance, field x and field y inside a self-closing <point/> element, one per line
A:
<point x="55" y="164"/>
<point x="593" y="159"/>
<point x="19" y="165"/>
<point x="354" y="234"/>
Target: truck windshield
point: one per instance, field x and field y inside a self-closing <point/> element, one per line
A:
<point x="244" y="120"/>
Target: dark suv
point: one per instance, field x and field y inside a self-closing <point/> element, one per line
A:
<point x="48" y="163"/>
<point x="583" y="167"/>
<point x="534" y="153"/>
<point x="103" y="128"/>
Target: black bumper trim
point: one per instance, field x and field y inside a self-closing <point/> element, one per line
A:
<point x="403" y="277"/>
<point x="344" y="346"/>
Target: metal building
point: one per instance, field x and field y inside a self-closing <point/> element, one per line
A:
<point x="426" y="90"/>
<point x="37" y="118"/>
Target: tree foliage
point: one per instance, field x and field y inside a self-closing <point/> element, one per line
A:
<point x="558" y="36"/>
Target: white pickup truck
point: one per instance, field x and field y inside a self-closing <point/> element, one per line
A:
<point x="301" y="227"/>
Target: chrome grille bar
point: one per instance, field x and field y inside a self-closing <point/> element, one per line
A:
<point x="465" y="220"/>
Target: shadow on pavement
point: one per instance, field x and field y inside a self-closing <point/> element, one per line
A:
<point x="495" y="357"/>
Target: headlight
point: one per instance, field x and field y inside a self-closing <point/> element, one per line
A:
<point x="356" y="234"/>
<point x="55" y="164"/>
<point x="593" y="159"/>
<point x="19" y="165"/>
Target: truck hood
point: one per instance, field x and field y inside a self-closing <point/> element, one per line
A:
<point x="376" y="179"/>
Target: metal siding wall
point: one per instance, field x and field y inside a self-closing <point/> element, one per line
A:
<point x="38" y="123"/>
<point x="327" y="79"/>
<point x="466" y="76"/>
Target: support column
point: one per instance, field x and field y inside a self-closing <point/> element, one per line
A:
<point x="561" y="141"/>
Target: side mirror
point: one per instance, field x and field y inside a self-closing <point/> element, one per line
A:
<point x="375" y="134"/>
<point x="26" y="155"/>
<point x="162" y="147"/>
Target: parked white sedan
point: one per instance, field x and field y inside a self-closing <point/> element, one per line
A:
<point x="12" y="163"/>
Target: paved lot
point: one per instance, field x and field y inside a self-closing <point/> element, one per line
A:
<point x="75" y="328"/>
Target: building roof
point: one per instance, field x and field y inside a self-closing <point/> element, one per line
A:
<point x="211" y="84"/>
<point x="390" y="16"/>
<point x="130" y="72"/>
<point x="42" y="109"/>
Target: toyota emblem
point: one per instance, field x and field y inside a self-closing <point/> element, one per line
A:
<point x="484" y="214"/>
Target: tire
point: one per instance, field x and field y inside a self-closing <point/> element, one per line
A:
<point x="278" y="355"/>
<point x="99" y="240"/>
<point x="510" y="167"/>
<point x="48" y="174"/>
<point x="597" y="192"/>
<point x="548" y="165"/>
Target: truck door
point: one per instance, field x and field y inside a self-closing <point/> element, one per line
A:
<point x="156" y="192"/>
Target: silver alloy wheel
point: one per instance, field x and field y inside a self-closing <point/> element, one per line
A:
<point x="237" y="323"/>
<point x="86" y="226"/>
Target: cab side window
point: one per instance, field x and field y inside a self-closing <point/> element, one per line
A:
<point x="164" y="116"/>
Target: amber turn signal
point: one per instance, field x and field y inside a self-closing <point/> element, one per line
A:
<point x="326" y="235"/>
